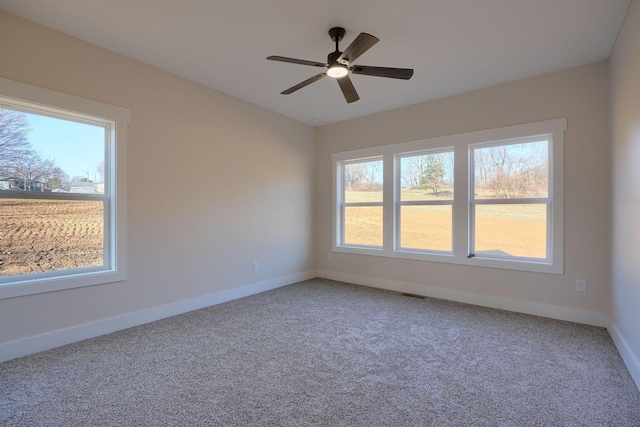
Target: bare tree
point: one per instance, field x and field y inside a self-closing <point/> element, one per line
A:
<point x="354" y="175"/>
<point x="100" y="170"/>
<point x="373" y="168"/>
<point x="413" y="168"/>
<point x="363" y="176"/>
<point x="519" y="170"/>
<point x="14" y="143"/>
<point x="482" y="166"/>
<point x="33" y="169"/>
<point x="59" y="179"/>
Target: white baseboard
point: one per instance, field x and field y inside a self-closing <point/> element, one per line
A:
<point x="509" y="304"/>
<point x="629" y="358"/>
<point x="35" y="344"/>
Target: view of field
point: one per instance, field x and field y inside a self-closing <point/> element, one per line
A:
<point x="49" y="235"/>
<point x="518" y="230"/>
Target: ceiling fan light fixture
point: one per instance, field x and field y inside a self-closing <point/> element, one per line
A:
<point x="339" y="64"/>
<point x="337" y="71"/>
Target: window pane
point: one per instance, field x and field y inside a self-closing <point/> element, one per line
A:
<point x="44" y="154"/>
<point x="363" y="225"/>
<point x="363" y="182"/>
<point x="512" y="171"/>
<point x="427" y="177"/>
<point x="49" y="235"/>
<point x="426" y="227"/>
<point x="511" y="230"/>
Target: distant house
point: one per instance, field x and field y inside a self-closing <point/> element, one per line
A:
<point x="18" y="184"/>
<point x="87" y="187"/>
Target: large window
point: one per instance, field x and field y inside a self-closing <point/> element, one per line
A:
<point x="510" y="201"/>
<point x="491" y="198"/>
<point x="362" y="203"/>
<point x="425" y="202"/>
<point x="62" y="213"/>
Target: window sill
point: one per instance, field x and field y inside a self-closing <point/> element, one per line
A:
<point x="69" y="279"/>
<point x="448" y="258"/>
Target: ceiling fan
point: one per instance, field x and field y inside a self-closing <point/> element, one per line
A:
<point x="339" y="64"/>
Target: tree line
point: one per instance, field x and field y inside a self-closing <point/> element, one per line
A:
<point x="18" y="158"/>
<point x="363" y="176"/>
<point x="428" y="171"/>
<point x="513" y="171"/>
<point x="503" y="171"/>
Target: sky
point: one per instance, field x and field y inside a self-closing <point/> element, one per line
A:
<point x="77" y="148"/>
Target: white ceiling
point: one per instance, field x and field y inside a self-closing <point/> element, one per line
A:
<point x="454" y="46"/>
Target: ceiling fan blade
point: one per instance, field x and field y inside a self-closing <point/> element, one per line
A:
<point x="360" y="45"/>
<point x="303" y="84"/>
<point x="296" y="61"/>
<point x="348" y="90"/>
<point x="393" y="73"/>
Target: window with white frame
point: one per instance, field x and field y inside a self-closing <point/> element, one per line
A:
<point x="491" y="198"/>
<point x="361" y="203"/>
<point x="425" y="201"/>
<point x="62" y="191"/>
<point x="509" y="202"/>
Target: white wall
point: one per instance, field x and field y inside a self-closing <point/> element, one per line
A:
<point x="580" y="95"/>
<point x="201" y="166"/>
<point x="625" y="188"/>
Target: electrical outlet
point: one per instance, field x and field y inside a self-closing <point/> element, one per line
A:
<point x="329" y="256"/>
<point x="581" y="285"/>
<point x="255" y="266"/>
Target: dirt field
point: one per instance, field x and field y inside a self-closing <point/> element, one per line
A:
<point x="518" y="230"/>
<point x="49" y="235"/>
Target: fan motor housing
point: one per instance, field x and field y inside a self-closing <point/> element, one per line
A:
<point x="332" y="58"/>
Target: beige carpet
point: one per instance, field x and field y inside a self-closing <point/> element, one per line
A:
<point x="330" y="354"/>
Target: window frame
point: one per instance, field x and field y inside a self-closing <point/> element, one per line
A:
<point x="473" y="202"/>
<point x="344" y="204"/>
<point x="462" y="227"/>
<point x="399" y="203"/>
<point x="31" y="99"/>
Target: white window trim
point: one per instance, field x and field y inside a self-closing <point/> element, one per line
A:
<point x="461" y="232"/>
<point x="548" y="201"/>
<point x="344" y="204"/>
<point x="399" y="203"/>
<point x="20" y="96"/>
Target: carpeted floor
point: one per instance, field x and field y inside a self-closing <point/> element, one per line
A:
<point x="330" y="354"/>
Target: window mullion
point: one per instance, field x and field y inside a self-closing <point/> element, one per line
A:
<point x="8" y="194"/>
<point x="389" y="197"/>
<point x="521" y="201"/>
<point x="338" y="214"/>
<point x="362" y="204"/>
<point x="425" y="203"/>
<point x="460" y="215"/>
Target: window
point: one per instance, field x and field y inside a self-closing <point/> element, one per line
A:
<point x="62" y="191"/>
<point x="425" y="202"/>
<point x="510" y="202"/>
<point x="492" y="198"/>
<point x="361" y="205"/>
